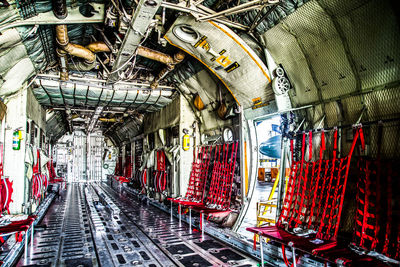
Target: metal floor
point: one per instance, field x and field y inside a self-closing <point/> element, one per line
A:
<point x="94" y="225"/>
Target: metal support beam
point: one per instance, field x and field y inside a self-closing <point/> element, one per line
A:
<point x="237" y="9"/>
<point x="74" y="17"/>
<point x="141" y="20"/>
<point x="204" y="11"/>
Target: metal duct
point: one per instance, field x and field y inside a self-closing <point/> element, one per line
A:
<point x="110" y="120"/>
<point x="178" y="58"/>
<point x="87" y="53"/>
<point x="155" y="55"/>
<point x="96" y="47"/>
<point x="72" y="49"/>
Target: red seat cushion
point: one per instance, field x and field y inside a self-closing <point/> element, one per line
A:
<point x="298" y="242"/>
<point x="17" y="226"/>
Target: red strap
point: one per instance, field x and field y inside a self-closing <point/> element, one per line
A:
<point x="310" y="146"/>
<point x="359" y="132"/>
<point x="323" y="145"/>
<point x="335" y="144"/>
<point x="291" y="148"/>
<point x="303" y="144"/>
<point x="362" y="140"/>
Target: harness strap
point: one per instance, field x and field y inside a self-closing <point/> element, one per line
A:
<point x="328" y="196"/>
<point x="299" y="177"/>
<point x="292" y="149"/>
<point x="359" y="133"/>
<point x="310" y="146"/>
<point x="303" y="189"/>
<point x="316" y="188"/>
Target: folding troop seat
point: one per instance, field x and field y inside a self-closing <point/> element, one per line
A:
<point x="313" y="202"/>
<point x="215" y="199"/>
<point x="6" y="187"/>
<point x="39" y="181"/>
<point x="197" y="180"/>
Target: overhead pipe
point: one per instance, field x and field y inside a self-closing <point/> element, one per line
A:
<point x="72" y="49"/>
<point x="155" y="55"/>
<point x="87" y="53"/>
<point x="178" y="58"/>
<point x="98" y="46"/>
<point x="65" y="47"/>
<point x="110" y="120"/>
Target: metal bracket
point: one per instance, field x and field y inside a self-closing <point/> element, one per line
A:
<point x="141" y="20"/>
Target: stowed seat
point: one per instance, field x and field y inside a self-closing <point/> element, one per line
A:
<point x="17" y="226"/>
<point x="197" y="181"/>
<point x="218" y="198"/>
<point x="126" y="171"/>
<point x="313" y="202"/>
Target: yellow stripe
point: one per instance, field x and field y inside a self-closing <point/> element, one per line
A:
<point x="246" y="170"/>
<point x="248" y="52"/>
<point x="227" y="87"/>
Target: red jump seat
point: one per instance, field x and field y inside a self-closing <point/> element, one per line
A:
<point x="313" y="204"/>
<point x="218" y="200"/>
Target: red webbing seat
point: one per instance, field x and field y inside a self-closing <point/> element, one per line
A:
<point x="314" y="198"/>
<point x="197" y="180"/>
<point x="18" y="227"/>
<point x="376" y="225"/>
<point x="127" y="171"/>
<point x="6" y="187"/>
<point x="160" y="175"/>
<point x="219" y="194"/>
<point x="282" y="236"/>
<point x="343" y="256"/>
<point x="52" y="172"/>
<point x="39" y="181"/>
<point x="118" y="167"/>
<point x="121" y="179"/>
<point x="160" y="181"/>
<point x="143" y="180"/>
<point x="128" y="167"/>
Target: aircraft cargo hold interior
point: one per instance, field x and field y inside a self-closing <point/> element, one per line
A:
<point x="199" y="133"/>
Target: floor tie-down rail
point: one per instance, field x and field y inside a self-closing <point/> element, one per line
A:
<point x="93" y="225"/>
<point x="174" y="239"/>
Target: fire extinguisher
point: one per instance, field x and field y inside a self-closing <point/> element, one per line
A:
<point x="17" y="137"/>
<point x="186" y="140"/>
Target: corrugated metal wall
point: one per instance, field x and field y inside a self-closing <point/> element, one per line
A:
<point x="343" y="57"/>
